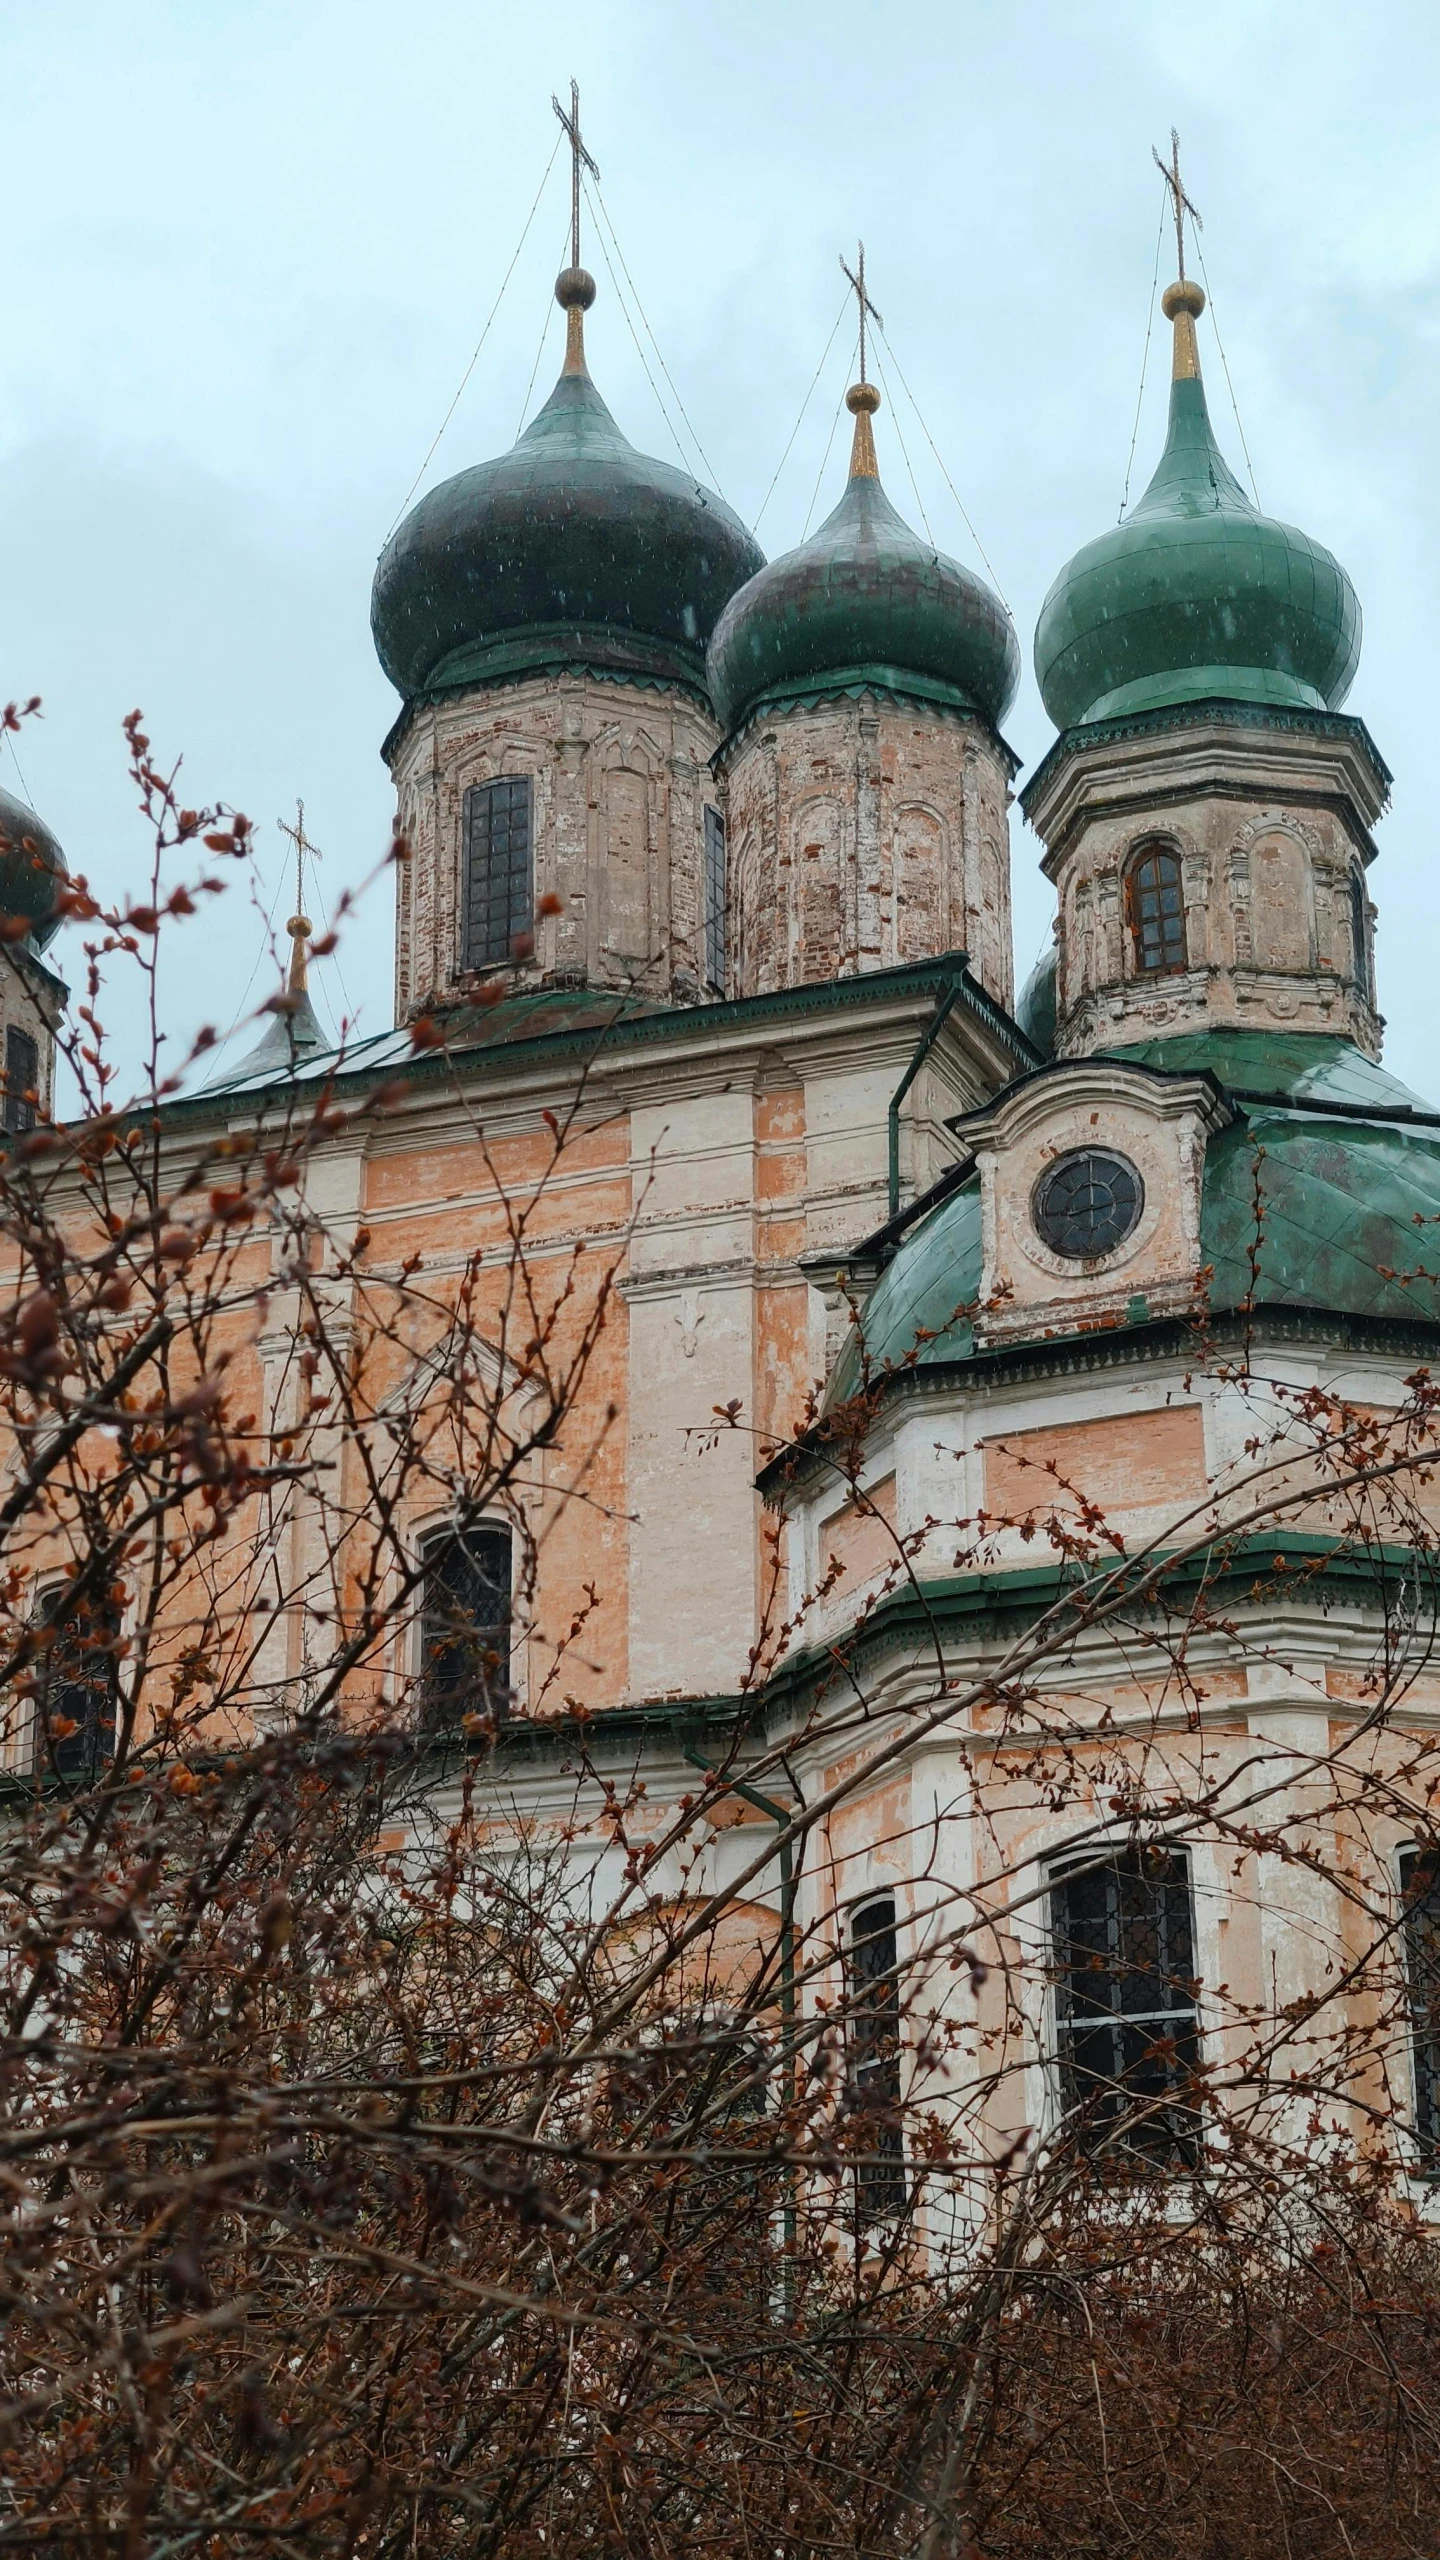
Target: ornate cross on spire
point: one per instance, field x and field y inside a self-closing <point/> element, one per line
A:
<point x="299" y="925"/>
<point x="1180" y="203"/>
<point x="867" y="307"/>
<point x="579" y="159"/>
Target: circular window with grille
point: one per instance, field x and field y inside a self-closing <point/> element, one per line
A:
<point x="1087" y="1203"/>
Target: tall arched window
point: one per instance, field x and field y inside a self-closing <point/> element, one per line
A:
<point x="497" y="870"/>
<point x="1359" y="937"/>
<point x="1155" y="906"/>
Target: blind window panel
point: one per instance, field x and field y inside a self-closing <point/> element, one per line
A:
<point x="1157" y="911"/>
<point x="1359" y="939"/>
<point x="1420" y="1887"/>
<point x="880" y="2189"/>
<point x="22" y="1079"/>
<point x="498" y="900"/>
<point x="465" y="1625"/>
<point x="716" y="937"/>
<point x="1123" y="1945"/>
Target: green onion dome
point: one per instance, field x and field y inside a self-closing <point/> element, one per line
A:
<point x="1035" y="1005"/>
<point x="864" y="599"/>
<point x="32" y="870"/>
<point x="570" y="549"/>
<point x="1196" y="595"/>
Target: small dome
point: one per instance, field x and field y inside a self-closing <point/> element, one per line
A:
<point x="572" y="546"/>
<point x="1197" y="595"/>
<point x="32" y="869"/>
<point x="864" y="597"/>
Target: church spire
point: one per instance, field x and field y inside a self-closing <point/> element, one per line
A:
<point x="862" y="399"/>
<point x="574" y="288"/>
<point x="1183" y="301"/>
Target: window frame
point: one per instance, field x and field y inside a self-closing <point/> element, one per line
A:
<point x="40" y="1757"/>
<point x="500" y="1702"/>
<point x="17" y="1115"/>
<point x="881" y="2185"/>
<point x="1361" y="956"/>
<point x="486" y="943"/>
<point x="1424" y="2126"/>
<point x="1157" y="850"/>
<point x="715" y="901"/>
<point x="1153" y="2145"/>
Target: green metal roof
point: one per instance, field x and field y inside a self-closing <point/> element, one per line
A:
<point x="1347" y="1163"/>
<point x="864" y="593"/>
<point x="571" y="548"/>
<point x="1196" y="594"/>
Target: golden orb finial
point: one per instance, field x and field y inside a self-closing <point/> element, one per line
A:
<point x="1183" y="303"/>
<point x="862" y="400"/>
<point x="574" y="291"/>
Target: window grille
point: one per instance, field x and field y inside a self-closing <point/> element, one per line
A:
<point x="1420" y="1887"/>
<point x="1155" y="903"/>
<point x="465" y="1625"/>
<point x="875" y="2061"/>
<point x="1123" y="1948"/>
<point x="716" y="953"/>
<point x="1359" y="938"/>
<point x="22" y="1079"/>
<point x="498" y="902"/>
<point x="75" y="1695"/>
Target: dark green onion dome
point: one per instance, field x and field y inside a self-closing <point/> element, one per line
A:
<point x="1349" y="1169"/>
<point x="1196" y="596"/>
<point x="1035" y="1008"/>
<point x="570" y="549"/>
<point x="32" y="870"/>
<point x="864" y="598"/>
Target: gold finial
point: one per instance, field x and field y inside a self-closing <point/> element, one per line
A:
<point x="574" y="289"/>
<point x="299" y="927"/>
<point x="1183" y="301"/>
<point x="862" y="399"/>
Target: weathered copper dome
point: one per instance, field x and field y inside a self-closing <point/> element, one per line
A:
<point x="864" y="598"/>
<point x="570" y="549"/>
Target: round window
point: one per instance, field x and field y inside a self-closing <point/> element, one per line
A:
<point x="1087" y="1204"/>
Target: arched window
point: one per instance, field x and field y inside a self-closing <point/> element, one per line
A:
<point x="1359" y="937"/>
<point x="497" y="870"/>
<point x="1155" y="906"/>
<point x="465" y="1625"/>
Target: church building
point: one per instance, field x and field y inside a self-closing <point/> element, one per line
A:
<point x="707" y="859"/>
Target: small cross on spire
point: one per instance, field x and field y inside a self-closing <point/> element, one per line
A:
<point x="1180" y="203"/>
<point x="867" y="307"/>
<point x="579" y="159"/>
<point x="299" y="925"/>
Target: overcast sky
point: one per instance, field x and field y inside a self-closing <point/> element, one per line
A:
<point x="250" y="245"/>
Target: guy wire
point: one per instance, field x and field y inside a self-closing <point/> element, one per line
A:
<point x="603" y="210"/>
<point x="1144" y="361"/>
<point x="804" y="405"/>
<point x="635" y="334"/>
<point x="1229" y="385"/>
<point x="949" y="483"/>
<point x="905" y="451"/>
<point x="484" y="334"/>
<point x="825" y="457"/>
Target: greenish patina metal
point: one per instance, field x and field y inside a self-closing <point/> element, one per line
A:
<point x="864" y="594"/>
<point x="1035" y="1007"/>
<point x="1323" y="1193"/>
<point x="570" y="549"/>
<point x="32" y="870"/>
<point x="1196" y="594"/>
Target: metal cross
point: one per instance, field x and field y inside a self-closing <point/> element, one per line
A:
<point x="302" y="845"/>
<point x="579" y="158"/>
<point x="1179" y="201"/>
<point x="863" y="298"/>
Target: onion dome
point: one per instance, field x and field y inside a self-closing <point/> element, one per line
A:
<point x="1197" y="596"/>
<point x="864" y="600"/>
<point x="571" y="548"/>
<point x="32" y="870"/>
